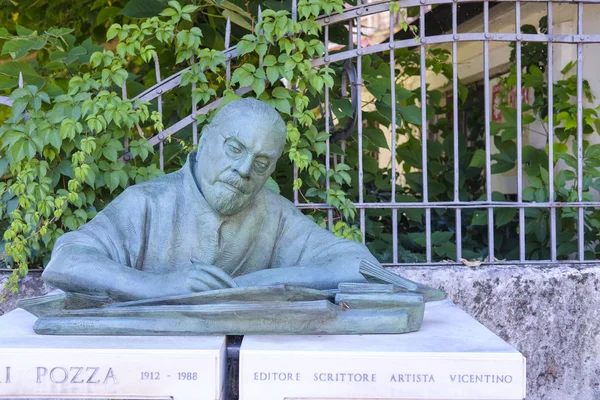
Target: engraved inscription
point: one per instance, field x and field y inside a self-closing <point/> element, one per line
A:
<point x="412" y="378"/>
<point x="6" y="376"/>
<point x="276" y="376"/>
<point x="187" y="376"/>
<point x="150" y="376"/>
<point x="76" y="375"/>
<point x="344" y="377"/>
<point x="474" y="378"/>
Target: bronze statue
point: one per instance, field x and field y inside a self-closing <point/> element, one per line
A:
<point x="210" y="237"/>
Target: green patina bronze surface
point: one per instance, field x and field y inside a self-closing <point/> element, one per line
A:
<point x="208" y="249"/>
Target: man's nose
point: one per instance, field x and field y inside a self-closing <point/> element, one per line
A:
<point x="243" y="166"/>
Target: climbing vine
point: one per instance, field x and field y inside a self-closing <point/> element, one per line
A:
<point x="75" y="139"/>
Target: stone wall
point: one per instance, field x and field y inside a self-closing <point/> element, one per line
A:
<point x="550" y="314"/>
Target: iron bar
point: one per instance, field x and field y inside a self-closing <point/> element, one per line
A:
<point x="461" y="205"/>
<point x="519" y="166"/>
<point x="6" y="101"/>
<point x="393" y="140"/>
<point x="458" y="216"/>
<point x="488" y="139"/>
<point x="179" y="125"/>
<point x="161" y="152"/>
<point x="382" y="6"/>
<point x="580" y="122"/>
<point x="194" y="110"/>
<point x="424" y="170"/>
<point x="124" y="97"/>
<point x="359" y="83"/>
<point x="227" y="44"/>
<point x="327" y="130"/>
<point x="461" y="37"/>
<point x="550" y="82"/>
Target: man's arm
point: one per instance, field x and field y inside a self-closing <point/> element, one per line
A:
<point x="310" y="256"/>
<point x="96" y="259"/>
<point x="315" y="276"/>
<point x="306" y="254"/>
<point x="84" y="269"/>
<point x="101" y="258"/>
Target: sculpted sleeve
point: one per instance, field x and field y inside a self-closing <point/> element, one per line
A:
<point x="301" y="242"/>
<point x="84" y="260"/>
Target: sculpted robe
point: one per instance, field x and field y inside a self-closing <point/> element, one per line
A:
<point x="159" y="226"/>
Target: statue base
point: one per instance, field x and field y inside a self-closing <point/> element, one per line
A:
<point x="107" y="367"/>
<point x="451" y="357"/>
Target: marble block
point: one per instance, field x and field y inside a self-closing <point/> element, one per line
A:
<point x="451" y="357"/>
<point x="107" y="367"/>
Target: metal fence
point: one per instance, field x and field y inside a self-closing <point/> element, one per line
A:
<point x="355" y="53"/>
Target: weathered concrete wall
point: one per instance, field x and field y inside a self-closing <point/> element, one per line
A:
<point x="550" y="314"/>
<point x="32" y="285"/>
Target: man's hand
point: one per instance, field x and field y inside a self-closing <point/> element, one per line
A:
<point x="198" y="278"/>
<point x="203" y="277"/>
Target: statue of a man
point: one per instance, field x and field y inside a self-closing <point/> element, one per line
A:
<point x="210" y="225"/>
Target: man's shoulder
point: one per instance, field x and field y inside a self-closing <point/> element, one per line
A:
<point x="285" y="210"/>
<point x="277" y="203"/>
<point x="163" y="186"/>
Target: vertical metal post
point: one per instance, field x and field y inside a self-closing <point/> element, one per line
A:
<point x="488" y="139"/>
<point x="551" y="194"/>
<point x="393" y="137"/>
<point x="194" y="109"/>
<point x="424" y="132"/>
<point x="262" y="32"/>
<point x="458" y="216"/>
<point x="227" y="44"/>
<point x="580" y="222"/>
<point x="327" y="123"/>
<point x="124" y="97"/>
<point x="161" y="153"/>
<point x="519" y="165"/>
<point x="359" y="83"/>
<point x="294" y="10"/>
<point x="21" y="86"/>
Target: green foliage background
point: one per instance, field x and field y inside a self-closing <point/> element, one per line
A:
<point x="62" y="151"/>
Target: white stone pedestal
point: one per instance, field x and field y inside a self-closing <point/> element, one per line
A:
<point x="107" y="367"/>
<point x="451" y="357"/>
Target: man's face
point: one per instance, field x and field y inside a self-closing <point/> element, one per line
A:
<point x="235" y="162"/>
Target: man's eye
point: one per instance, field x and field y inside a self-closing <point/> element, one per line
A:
<point x="261" y="166"/>
<point x="235" y="149"/>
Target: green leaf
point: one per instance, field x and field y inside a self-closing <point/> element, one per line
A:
<point x="237" y="19"/>
<point x="281" y="93"/>
<point x="3" y="165"/>
<point x="18" y="48"/>
<point x="592" y="151"/>
<point x="535" y="182"/>
<point x="273" y="74"/>
<point x="376" y="137"/>
<point x="258" y="85"/>
<point x="478" y="160"/>
<point x="106" y="14"/>
<point x="439" y="238"/>
<point x="143" y="8"/>
<point x="504" y="215"/>
<point x="30" y="76"/>
<point x="410" y="114"/>
<point x="480" y="217"/>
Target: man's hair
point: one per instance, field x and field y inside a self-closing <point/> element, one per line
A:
<point x="250" y="108"/>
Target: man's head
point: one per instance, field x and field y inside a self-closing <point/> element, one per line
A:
<point x="237" y="152"/>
